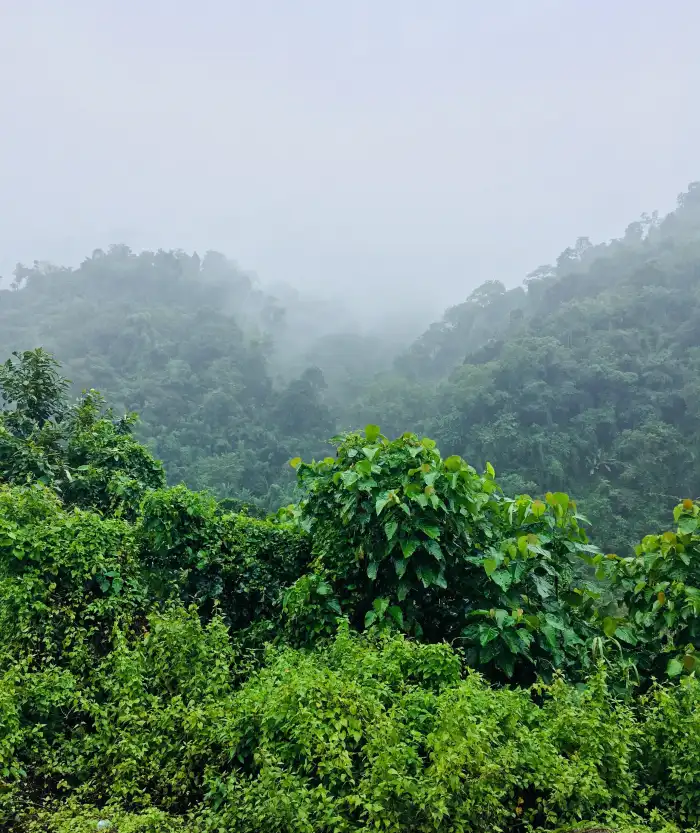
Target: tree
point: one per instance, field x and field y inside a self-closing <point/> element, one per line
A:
<point x="403" y="536"/>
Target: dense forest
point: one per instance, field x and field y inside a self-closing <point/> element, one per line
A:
<point x="406" y="648"/>
<point x="229" y="600"/>
<point x="584" y="378"/>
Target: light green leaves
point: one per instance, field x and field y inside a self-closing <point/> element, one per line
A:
<point x="490" y="565"/>
<point x="390" y="529"/>
<point x="381" y="501"/>
<point x="372" y="433"/>
<point x="674" y="667"/>
<point x="453" y="463"/>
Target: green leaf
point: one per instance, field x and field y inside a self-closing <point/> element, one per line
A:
<point x="426" y="575"/>
<point x="453" y="463"/>
<point x="512" y="640"/>
<point x="370" y="453"/>
<point x="381" y="502"/>
<point x="409" y="546"/>
<point x="626" y="635"/>
<point x="400" y="566"/>
<point x="434" y="549"/>
<point x="295" y="462"/>
<point x="372" y="433"/>
<point x="560" y="499"/>
<point x="487" y="633"/>
<point x="502" y="578"/>
<point x="501" y="616"/>
<point x="372" y="570"/>
<point x="390" y="529"/>
<point x="490" y="470"/>
<point x="687" y="526"/>
<point x="380" y="604"/>
<point x="440" y="580"/>
<point x="396" y="614"/>
<point x="674" y="668"/>
<point x="490" y="565"/>
<point x="349" y="477"/>
<point x="544" y="587"/>
<point x="430" y="477"/>
<point x="550" y="635"/>
<point x="609" y="626"/>
<point x="430" y="530"/>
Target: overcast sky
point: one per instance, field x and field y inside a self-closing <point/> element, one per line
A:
<point x="388" y="145"/>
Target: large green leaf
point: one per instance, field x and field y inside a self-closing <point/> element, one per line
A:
<point x="390" y="529"/>
<point x="372" y="433"/>
<point x="502" y="578"/>
<point x="487" y="634"/>
<point x="674" y="667"/>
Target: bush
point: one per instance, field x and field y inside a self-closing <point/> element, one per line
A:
<point x="405" y="538"/>
<point x="66" y="577"/>
<point x="167" y="665"/>
<point x="234" y="562"/>
<point x="669" y="762"/>
<point x="361" y="733"/>
<point x="660" y="588"/>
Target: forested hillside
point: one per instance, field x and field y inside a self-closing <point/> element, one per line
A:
<point x="584" y="378"/>
<point x="187" y="343"/>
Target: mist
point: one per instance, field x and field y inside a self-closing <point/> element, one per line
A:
<point x="369" y="151"/>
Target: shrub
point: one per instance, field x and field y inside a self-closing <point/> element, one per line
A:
<point x="660" y="589"/>
<point x="406" y="538"/>
<point x="238" y="563"/>
<point x="66" y="577"/>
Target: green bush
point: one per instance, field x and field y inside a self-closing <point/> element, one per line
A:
<point x="670" y="749"/>
<point x="66" y="577"/>
<point x="405" y="538"/>
<point x="660" y="588"/>
<point x="238" y="563"/>
<point x="362" y="734"/>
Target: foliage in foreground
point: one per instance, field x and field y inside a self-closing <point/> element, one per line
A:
<point x="351" y="736"/>
<point x="167" y="665"/>
<point x="403" y="536"/>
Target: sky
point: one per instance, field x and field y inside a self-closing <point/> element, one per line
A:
<point x="376" y="149"/>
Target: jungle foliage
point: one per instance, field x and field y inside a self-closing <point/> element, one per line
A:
<point x="406" y="648"/>
<point x="582" y="380"/>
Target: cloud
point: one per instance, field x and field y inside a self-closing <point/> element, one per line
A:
<point x="390" y="147"/>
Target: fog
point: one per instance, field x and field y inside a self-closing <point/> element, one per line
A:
<point x="369" y="149"/>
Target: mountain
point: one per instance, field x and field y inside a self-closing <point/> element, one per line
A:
<point x="585" y="377"/>
<point x="186" y="342"/>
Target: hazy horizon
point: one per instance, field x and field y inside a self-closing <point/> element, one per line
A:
<point x="391" y="149"/>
